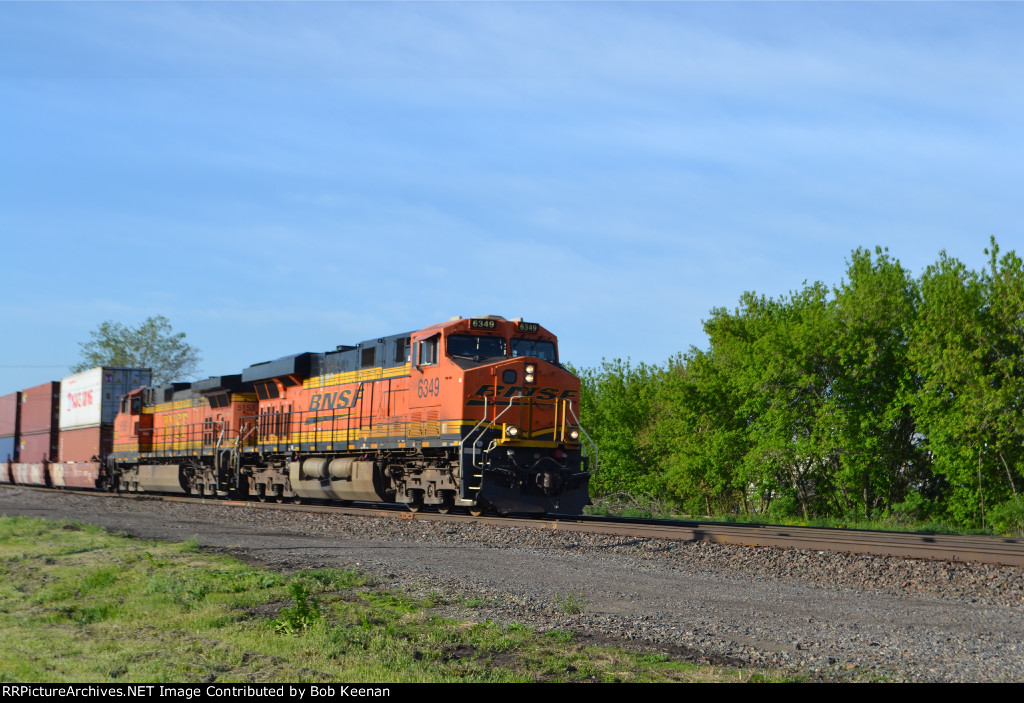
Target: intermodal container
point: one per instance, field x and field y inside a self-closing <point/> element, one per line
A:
<point x="86" y="443"/>
<point x="9" y="415"/>
<point x="39" y="408"/>
<point x="37" y="448"/>
<point x="93" y="397"/>
<point x="8" y="449"/>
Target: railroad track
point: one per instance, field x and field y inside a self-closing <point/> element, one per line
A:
<point x="957" y="548"/>
<point x="954" y="548"/>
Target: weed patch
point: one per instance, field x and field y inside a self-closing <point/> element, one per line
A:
<point x="572" y="603"/>
<point x="297" y="618"/>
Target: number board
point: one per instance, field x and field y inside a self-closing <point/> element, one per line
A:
<point x="529" y="327"/>
<point x="478" y="324"/>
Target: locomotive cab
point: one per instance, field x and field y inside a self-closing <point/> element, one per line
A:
<point x="515" y="410"/>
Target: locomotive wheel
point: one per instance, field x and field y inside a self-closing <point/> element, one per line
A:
<point x="416" y="504"/>
<point x="261" y="493"/>
<point x="479" y="509"/>
<point x="447" y="503"/>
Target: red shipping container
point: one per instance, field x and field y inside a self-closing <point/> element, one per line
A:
<point x="40" y="408"/>
<point x="9" y="425"/>
<point x="37" y="448"/>
<point x="86" y="443"/>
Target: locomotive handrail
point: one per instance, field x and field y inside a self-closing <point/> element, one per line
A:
<point x="220" y="438"/>
<point x="193" y="433"/>
<point x="490" y="423"/>
<point x="240" y="438"/>
<point x="462" y="442"/>
<point x="593" y="445"/>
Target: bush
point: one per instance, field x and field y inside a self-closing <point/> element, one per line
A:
<point x="1008" y="518"/>
<point x="784" y="507"/>
<point x="914" y="509"/>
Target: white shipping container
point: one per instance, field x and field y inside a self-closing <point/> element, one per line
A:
<point x="93" y="397"/>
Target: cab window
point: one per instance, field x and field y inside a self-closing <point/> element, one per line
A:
<point x="428" y="352"/>
<point x="535" y="347"/>
<point x="475" y="347"/>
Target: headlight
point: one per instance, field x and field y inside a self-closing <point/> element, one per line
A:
<point x="528" y="378"/>
<point x="530" y="368"/>
<point x="574" y="434"/>
<point x="512" y="431"/>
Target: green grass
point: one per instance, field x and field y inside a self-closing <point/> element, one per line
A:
<point x="80" y="605"/>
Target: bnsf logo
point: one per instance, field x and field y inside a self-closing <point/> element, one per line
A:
<point x="330" y="401"/>
<point x="81" y="399"/>
<point x="526" y="391"/>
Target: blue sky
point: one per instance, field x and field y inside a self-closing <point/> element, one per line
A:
<point x="286" y="177"/>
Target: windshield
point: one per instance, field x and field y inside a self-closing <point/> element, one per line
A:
<point x="535" y="347"/>
<point x="474" y="347"/>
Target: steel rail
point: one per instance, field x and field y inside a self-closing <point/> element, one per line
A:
<point x="953" y="548"/>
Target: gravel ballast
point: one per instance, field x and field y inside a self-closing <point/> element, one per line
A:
<point x="825" y="615"/>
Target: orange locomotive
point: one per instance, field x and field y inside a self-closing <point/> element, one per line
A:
<point x="475" y="413"/>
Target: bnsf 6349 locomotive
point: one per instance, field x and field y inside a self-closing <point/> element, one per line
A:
<point x="474" y="413"/>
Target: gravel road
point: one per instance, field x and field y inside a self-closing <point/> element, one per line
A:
<point x="827" y="616"/>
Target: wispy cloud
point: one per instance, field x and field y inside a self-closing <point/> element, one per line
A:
<point x="343" y="170"/>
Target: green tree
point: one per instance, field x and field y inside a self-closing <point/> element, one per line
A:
<point x="153" y="344"/>
<point x="698" y="436"/>
<point x="1004" y="403"/>
<point x="615" y="408"/>
<point x="775" y="354"/>
<point x="874" y="435"/>
<point x="884" y="393"/>
<point x="968" y="347"/>
<point x="806" y="398"/>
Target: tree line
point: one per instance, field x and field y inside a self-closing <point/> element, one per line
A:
<point x="884" y="395"/>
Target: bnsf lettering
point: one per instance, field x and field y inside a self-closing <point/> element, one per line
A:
<point x="539" y="393"/>
<point x="81" y="399"/>
<point x="330" y="401"/>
